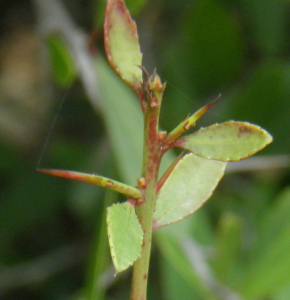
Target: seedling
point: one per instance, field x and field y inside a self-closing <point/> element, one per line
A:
<point x="187" y="183"/>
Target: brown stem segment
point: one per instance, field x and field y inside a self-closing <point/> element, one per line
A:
<point x="152" y="154"/>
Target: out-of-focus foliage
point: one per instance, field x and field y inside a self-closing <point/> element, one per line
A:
<point x="51" y="229"/>
<point x="61" y="60"/>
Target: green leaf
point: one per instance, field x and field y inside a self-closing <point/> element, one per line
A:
<point x="122" y="43"/>
<point x="189" y="185"/>
<point x="229" y="141"/>
<point x="63" y="67"/>
<point x="134" y="6"/>
<point x="125" y="235"/>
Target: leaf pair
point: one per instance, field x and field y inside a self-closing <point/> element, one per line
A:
<point x="194" y="178"/>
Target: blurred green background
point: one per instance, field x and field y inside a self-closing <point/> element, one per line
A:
<point x="62" y="107"/>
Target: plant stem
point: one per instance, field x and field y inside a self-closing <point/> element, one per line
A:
<point x="152" y="155"/>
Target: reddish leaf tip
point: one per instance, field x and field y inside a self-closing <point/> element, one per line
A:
<point x="122" y="44"/>
<point x="62" y="173"/>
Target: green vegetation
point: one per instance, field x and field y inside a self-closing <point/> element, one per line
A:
<point x="235" y="246"/>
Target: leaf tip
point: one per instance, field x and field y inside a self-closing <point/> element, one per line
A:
<point x="122" y="43"/>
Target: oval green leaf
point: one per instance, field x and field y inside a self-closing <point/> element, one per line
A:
<point x="188" y="186"/>
<point x="125" y="235"/>
<point x="229" y="141"/>
<point x="122" y="43"/>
